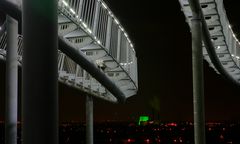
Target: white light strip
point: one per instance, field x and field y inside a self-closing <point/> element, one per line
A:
<point x="131" y="45"/>
<point x="124" y="64"/>
<point x="126" y="35"/>
<point x="84" y="25"/>
<point x="104" y="6"/>
<point x="71" y="10"/>
<point x="89" y="31"/>
<point x="117" y="22"/>
<point x="65" y="3"/>
<point x="121" y="28"/>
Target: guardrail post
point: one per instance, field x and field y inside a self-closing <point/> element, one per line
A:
<point x="11" y="105"/>
<point x="39" y="72"/>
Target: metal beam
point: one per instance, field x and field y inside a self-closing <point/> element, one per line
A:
<point x="11" y="105"/>
<point x="197" y="69"/>
<point x="77" y="56"/>
<point x="39" y="72"/>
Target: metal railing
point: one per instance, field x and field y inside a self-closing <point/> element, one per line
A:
<point x="98" y="21"/>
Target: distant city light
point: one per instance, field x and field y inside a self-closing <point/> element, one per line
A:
<point x="143" y="119"/>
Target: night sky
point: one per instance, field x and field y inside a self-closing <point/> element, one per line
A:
<point x="162" y="40"/>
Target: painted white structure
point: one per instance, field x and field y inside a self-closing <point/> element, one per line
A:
<point x="227" y="46"/>
<point x="92" y="29"/>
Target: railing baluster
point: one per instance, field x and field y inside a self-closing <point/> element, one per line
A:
<point x="119" y="44"/>
<point x="96" y="18"/>
<point x="80" y="7"/>
<point x="108" y="33"/>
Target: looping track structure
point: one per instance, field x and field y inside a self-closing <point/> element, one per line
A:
<point x="221" y="48"/>
<point x="88" y="30"/>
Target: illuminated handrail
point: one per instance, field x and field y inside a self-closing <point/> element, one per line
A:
<point x="98" y="21"/>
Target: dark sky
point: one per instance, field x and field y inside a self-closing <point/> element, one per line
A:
<point x="163" y="43"/>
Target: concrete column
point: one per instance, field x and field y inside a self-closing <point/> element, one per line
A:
<point x="89" y="120"/>
<point x="39" y="72"/>
<point x="11" y="104"/>
<point x="198" y="88"/>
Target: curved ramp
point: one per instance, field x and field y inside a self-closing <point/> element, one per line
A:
<point x="89" y="28"/>
<point x="222" y="48"/>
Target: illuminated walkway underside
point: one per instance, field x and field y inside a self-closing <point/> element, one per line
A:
<point x="90" y="28"/>
<point x="221" y="49"/>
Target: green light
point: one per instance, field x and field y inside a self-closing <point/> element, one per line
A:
<point x="143" y="119"/>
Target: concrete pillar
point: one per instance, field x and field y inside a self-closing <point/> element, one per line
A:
<point x="11" y="103"/>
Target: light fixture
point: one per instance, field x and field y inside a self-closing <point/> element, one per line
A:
<point x="99" y="42"/>
<point x="104" y="6"/>
<point x="65" y="3"/>
<point x="131" y="45"/>
<point x="89" y="30"/>
<point x="71" y="10"/>
<point x="117" y="22"/>
<point x="84" y="25"/>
